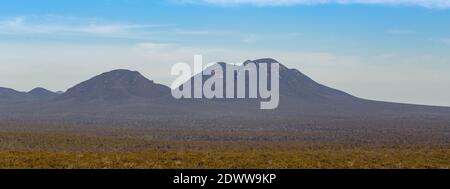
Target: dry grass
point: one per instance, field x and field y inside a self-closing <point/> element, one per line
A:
<point x="32" y="147"/>
<point x="332" y="158"/>
<point x="69" y="151"/>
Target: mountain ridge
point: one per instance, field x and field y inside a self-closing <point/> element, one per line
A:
<point x="119" y="84"/>
<point x="42" y="93"/>
<point x="9" y="95"/>
<point x="125" y="94"/>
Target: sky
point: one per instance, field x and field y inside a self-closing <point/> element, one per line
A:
<point x="376" y="49"/>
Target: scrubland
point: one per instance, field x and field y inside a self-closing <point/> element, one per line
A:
<point x="70" y="145"/>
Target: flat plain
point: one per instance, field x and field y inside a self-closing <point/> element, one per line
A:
<point x="69" y="145"/>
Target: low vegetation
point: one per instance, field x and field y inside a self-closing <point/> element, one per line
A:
<point x="68" y="146"/>
<point x="297" y="158"/>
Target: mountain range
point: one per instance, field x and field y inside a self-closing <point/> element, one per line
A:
<point x="8" y="95"/>
<point x="127" y="95"/>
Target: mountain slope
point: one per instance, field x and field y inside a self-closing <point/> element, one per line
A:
<point x="301" y="96"/>
<point x="8" y="95"/>
<point x="116" y="85"/>
<point x="292" y="82"/>
<point x="296" y="84"/>
<point x="42" y="94"/>
<point x="127" y="95"/>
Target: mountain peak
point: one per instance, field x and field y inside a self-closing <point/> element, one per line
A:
<point x="120" y="84"/>
<point x="122" y="72"/>
<point x="266" y="61"/>
<point x="8" y="95"/>
<point x="42" y="94"/>
<point x="4" y="89"/>
<point x="8" y="92"/>
<point x="38" y="89"/>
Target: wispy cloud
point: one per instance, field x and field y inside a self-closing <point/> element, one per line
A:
<point x="51" y="26"/>
<point x="192" y="32"/>
<point x="61" y="28"/>
<point x="155" y="46"/>
<point x="24" y="25"/>
<point x="422" y="3"/>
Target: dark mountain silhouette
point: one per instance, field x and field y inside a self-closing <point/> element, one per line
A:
<point x="127" y="95"/>
<point x="293" y="83"/>
<point x="8" y="95"/>
<point x="116" y="85"/>
<point x="42" y="94"/>
<point x="296" y="84"/>
<point x="303" y="97"/>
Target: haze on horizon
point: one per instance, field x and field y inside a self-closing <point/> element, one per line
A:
<point x="371" y="49"/>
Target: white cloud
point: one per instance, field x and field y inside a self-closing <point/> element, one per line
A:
<point x="192" y="32"/>
<point x="62" y="26"/>
<point x="155" y="46"/>
<point x="422" y="3"/>
<point x="55" y="26"/>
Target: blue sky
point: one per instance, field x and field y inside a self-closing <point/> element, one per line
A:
<point x="377" y="49"/>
